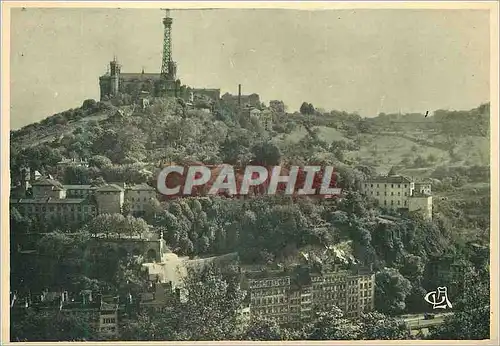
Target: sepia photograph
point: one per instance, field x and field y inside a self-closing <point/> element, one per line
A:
<point x="256" y="173"/>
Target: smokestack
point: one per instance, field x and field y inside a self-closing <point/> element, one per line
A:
<point x="239" y="95"/>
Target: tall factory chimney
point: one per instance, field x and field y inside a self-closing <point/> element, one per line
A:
<point x="239" y="95"/>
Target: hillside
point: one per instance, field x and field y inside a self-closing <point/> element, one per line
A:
<point x="168" y="131"/>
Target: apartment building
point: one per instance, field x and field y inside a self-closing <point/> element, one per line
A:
<point x="51" y="200"/>
<point x="138" y="196"/>
<point x="391" y="191"/>
<point x="269" y="295"/>
<point x="102" y="312"/>
<point x="291" y="297"/>
<point x="400" y="192"/>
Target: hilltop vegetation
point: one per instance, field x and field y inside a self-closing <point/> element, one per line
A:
<point x="123" y="142"/>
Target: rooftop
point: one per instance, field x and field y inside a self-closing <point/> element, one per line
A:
<point x="389" y="179"/>
<point x="141" y="187"/>
<point x="139" y="75"/>
<point x="78" y="187"/>
<point x="47" y="182"/>
<point x="110" y="188"/>
<point x="48" y="201"/>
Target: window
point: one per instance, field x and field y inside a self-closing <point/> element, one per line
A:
<point x="405" y="186"/>
<point x="392" y="185"/>
<point x="385" y="193"/>
<point x="371" y="185"/>
<point x="405" y="202"/>
<point x="392" y="193"/>
<point x="406" y="193"/>
<point x="399" y="193"/>
<point x="385" y="185"/>
<point x="377" y="193"/>
<point x="377" y="185"/>
<point x="372" y="193"/>
<point x="399" y="185"/>
<point x="392" y="202"/>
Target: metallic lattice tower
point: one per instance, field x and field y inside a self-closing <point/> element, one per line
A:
<point x="168" y="68"/>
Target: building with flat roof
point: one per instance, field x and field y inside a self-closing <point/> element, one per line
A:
<point x="291" y="296"/>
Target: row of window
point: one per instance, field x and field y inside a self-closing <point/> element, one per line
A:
<point x="267" y="283"/>
<point x="58" y="208"/>
<point x="68" y="217"/>
<point x="271" y="310"/>
<point x="109" y="320"/>
<point x="268" y="292"/>
<point x="385" y="185"/>
<point x="399" y="203"/>
<point x="269" y="300"/>
<point x="138" y="199"/>
<point x="392" y="193"/>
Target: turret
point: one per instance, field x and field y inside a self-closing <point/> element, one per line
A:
<point x="114" y="67"/>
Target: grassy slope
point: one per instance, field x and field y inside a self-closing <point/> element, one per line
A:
<point x="327" y="134"/>
<point x="52" y="132"/>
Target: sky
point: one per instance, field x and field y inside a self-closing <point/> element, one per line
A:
<point x="365" y="61"/>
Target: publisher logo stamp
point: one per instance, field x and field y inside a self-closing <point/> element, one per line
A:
<point x="438" y="299"/>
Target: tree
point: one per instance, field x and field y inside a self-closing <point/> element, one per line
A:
<point x="307" y="108"/>
<point x="126" y="208"/>
<point x="89" y="104"/>
<point x="210" y="313"/>
<point x="99" y="161"/>
<point x="76" y="175"/>
<point x="332" y="326"/>
<point x="263" y="330"/>
<point x="304" y="108"/>
<point x="266" y="154"/>
<point x="412" y="267"/>
<point x="376" y="326"/>
<point x="391" y="289"/>
<point x="471" y="318"/>
<point x="51" y="326"/>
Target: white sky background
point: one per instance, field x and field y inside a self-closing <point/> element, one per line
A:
<point x="365" y="61"/>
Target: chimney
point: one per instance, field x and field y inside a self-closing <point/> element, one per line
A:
<point x="239" y="95"/>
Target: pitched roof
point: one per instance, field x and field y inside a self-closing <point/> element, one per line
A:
<point x="78" y="187"/>
<point x="49" y="201"/>
<point x="389" y="179"/>
<point x="47" y="182"/>
<point x="110" y="188"/>
<point x="139" y="75"/>
<point x="141" y="187"/>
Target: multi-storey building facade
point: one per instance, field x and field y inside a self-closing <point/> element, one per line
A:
<point x="423" y="187"/>
<point x="269" y="296"/>
<point x="50" y="200"/>
<point x="398" y="192"/>
<point x="138" y="196"/>
<point x="290" y="297"/>
<point x="102" y="313"/>
<point x="392" y="191"/>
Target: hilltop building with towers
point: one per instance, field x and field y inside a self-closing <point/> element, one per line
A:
<point x="144" y="85"/>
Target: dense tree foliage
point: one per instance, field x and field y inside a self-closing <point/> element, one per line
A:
<point x="125" y="143"/>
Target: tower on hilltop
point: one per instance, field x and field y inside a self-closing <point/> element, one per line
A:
<point x="168" y="66"/>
